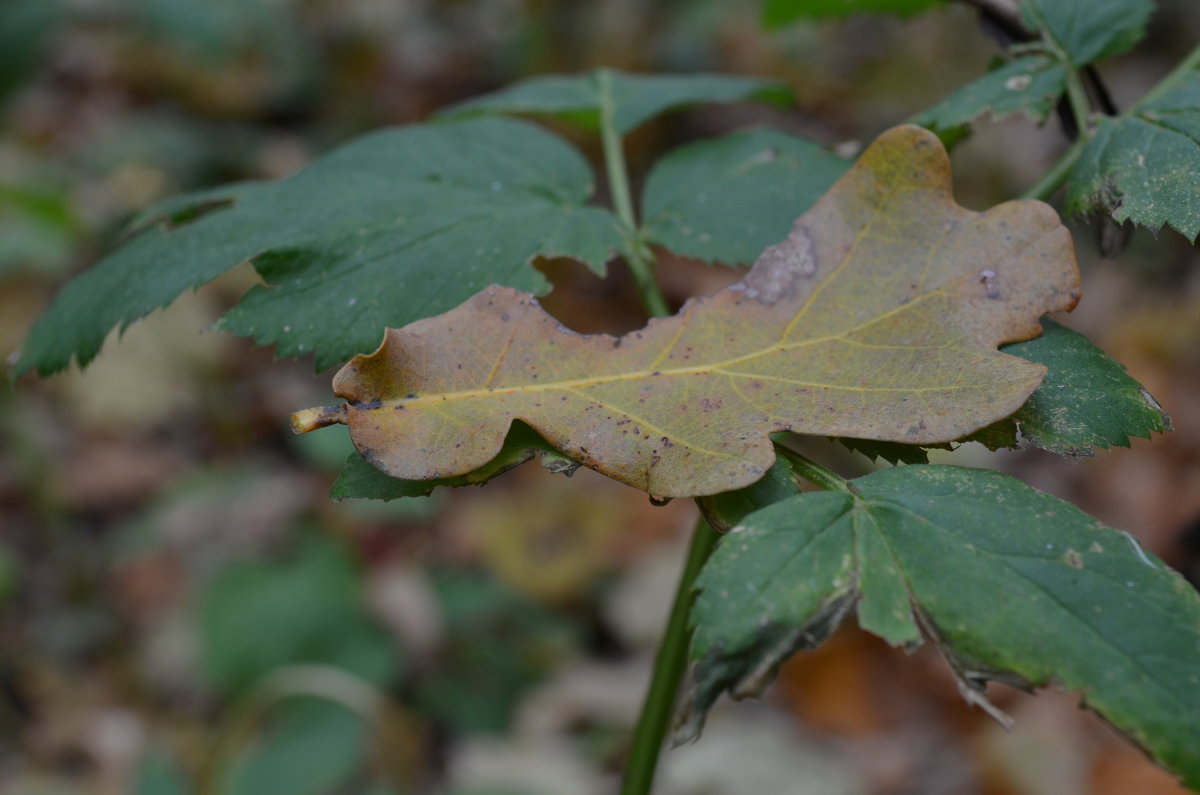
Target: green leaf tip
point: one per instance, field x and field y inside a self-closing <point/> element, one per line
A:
<point x="1030" y="85"/>
<point x="1085" y="32"/>
<point x="633" y="99"/>
<point x="1087" y="399"/>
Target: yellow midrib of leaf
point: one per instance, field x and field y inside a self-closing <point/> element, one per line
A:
<point x="717" y="367"/>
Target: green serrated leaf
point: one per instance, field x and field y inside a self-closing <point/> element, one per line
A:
<point x="892" y="452"/>
<point x="1086" y="400"/>
<point x="777" y="13"/>
<point x="1088" y="31"/>
<point x="633" y="98"/>
<point x="1145" y="167"/>
<point x="726" y="199"/>
<point x="1030" y="85"/>
<point x="997" y="436"/>
<point x="396" y="226"/>
<point x="767" y="593"/>
<point x="360" y="480"/>
<point x="1012" y="584"/>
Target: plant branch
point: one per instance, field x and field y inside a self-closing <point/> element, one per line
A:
<point x="669" y="667"/>
<point x="636" y="253"/>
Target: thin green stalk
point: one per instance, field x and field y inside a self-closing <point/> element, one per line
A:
<point x="669" y="667"/>
<point x="640" y="260"/>
<point x="1050" y="181"/>
<point x="1190" y="62"/>
<point x="813" y="472"/>
<point x="614" y="155"/>
<point x="636" y="254"/>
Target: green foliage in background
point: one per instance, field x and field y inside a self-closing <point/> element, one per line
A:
<point x="400" y="225"/>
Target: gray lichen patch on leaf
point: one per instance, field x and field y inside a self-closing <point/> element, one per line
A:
<point x="781" y="269"/>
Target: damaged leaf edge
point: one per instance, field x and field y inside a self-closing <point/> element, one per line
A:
<point x="689" y="718"/>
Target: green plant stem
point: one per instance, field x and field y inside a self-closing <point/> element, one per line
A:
<point x="671" y="661"/>
<point x="813" y="472"/>
<point x="1077" y="97"/>
<point x="1050" y="181"/>
<point x="636" y="253"/>
<point x="669" y="667"/>
<point x="1190" y="62"/>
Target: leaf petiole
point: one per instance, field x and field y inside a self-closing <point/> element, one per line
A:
<point x="1057" y="174"/>
<point x="1190" y="62"/>
<point x="636" y="254"/>
<point x="813" y="472"/>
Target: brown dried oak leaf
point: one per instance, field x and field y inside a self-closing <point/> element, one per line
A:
<point x="878" y="317"/>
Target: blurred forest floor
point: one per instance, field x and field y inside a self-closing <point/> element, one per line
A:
<point x="183" y="609"/>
